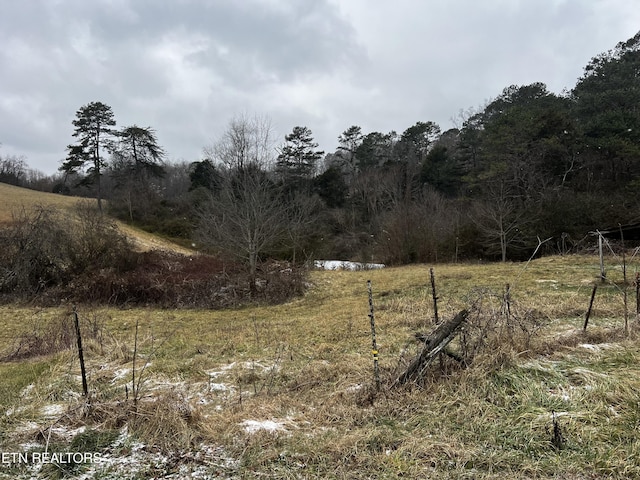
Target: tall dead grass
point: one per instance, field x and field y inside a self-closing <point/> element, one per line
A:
<point x="306" y="367"/>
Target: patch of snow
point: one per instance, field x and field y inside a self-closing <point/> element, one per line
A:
<point x="253" y="426"/>
<point x="560" y="393"/>
<point x="26" y="391"/>
<point x="127" y="458"/>
<point x="225" y="368"/>
<point x="552" y="283"/>
<point x="543" y="417"/>
<point x="53" y="410"/>
<point x="202" y="463"/>
<point x="346" y="265"/>
<point x="14" y="410"/>
<point x="120" y="374"/>
<point x="27" y="427"/>
<point x="595" y="348"/>
<point x="253" y="364"/>
<point x="220" y="387"/>
<point x="63" y="432"/>
<point x="30" y="446"/>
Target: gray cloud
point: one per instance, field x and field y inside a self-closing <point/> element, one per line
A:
<point x="186" y="67"/>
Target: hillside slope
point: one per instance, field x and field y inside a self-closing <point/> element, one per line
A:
<point x="13" y="199"/>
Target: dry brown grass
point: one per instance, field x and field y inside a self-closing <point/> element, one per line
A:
<point x="14" y="199"/>
<point x="306" y="367"/>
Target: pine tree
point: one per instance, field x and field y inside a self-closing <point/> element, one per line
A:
<point x="298" y="157"/>
<point x="94" y="133"/>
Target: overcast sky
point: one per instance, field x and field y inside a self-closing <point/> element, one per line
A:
<point x="187" y="67"/>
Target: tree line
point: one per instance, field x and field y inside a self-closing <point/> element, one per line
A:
<point x="528" y="165"/>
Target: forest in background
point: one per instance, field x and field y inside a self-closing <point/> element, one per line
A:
<point x="528" y="166"/>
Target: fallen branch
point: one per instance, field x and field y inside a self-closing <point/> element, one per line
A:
<point x="433" y="344"/>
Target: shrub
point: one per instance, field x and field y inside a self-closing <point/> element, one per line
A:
<point x="48" y="257"/>
<point x="43" y="248"/>
<point x="33" y="251"/>
<point x="44" y="337"/>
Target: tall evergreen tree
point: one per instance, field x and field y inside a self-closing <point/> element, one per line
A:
<point x="416" y="141"/>
<point x="606" y="101"/>
<point x="138" y="159"/>
<point x="375" y="150"/>
<point x="298" y="157"/>
<point x="94" y="133"/>
<point x="139" y="148"/>
<point x="349" y="141"/>
<point x="203" y="174"/>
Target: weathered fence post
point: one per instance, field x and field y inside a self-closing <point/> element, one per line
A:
<point x="85" y="388"/>
<point x="637" y="284"/>
<point x="436" y="320"/>
<point x="603" y="274"/>
<point x="374" y="344"/>
<point x="586" y="318"/>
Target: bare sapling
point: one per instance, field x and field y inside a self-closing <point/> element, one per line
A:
<point x="625" y="285"/>
<point x="137" y="375"/>
<point x="603" y="274"/>
<point x="535" y="252"/>
<point x="507" y="303"/>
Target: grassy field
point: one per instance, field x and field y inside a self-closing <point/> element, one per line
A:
<point x="286" y="391"/>
<point x="14" y="199"/>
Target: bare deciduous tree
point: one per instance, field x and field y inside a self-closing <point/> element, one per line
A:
<point x="419" y="230"/>
<point x="246" y="214"/>
<point x="499" y="220"/>
<point x="244" y="218"/>
<point x="248" y="141"/>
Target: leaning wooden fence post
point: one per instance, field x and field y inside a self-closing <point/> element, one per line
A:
<point x="85" y="389"/>
<point x="436" y="320"/>
<point x="374" y="344"/>
<point x="434" y="343"/>
<point x="586" y="317"/>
